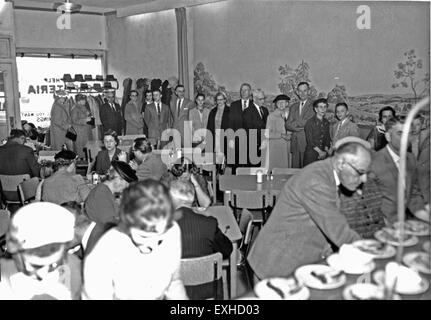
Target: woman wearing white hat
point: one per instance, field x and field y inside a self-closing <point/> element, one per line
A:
<point x="40" y="268"/>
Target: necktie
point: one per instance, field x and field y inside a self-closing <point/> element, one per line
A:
<point x="112" y="106"/>
<point x="260" y="112"/>
<point x="178" y="108"/>
<point x="338" y="129"/>
<point x="158" y="108"/>
<point x="244" y="106"/>
<point x="300" y="107"/>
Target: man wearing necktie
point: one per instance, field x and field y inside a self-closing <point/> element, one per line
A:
<point x="157" y="117"/>
<point x="254" y="121"/>
<point x="180" y="108"/>
<point x="343" y="127"/>
<point x="300" y="112"/>
<point x="110" y="114"/>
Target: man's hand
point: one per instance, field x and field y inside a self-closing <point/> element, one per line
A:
<point x="122" y="156"/>
<point x="133" y="165"/>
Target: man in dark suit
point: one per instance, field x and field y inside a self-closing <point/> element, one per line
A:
<point x="156" y="116"/>
<point x="385" y="171"/>
<point x="236" y="112"/>
<point x="299" y="113"/>
<point x="180" y="108"/>
<point x="306" y="224"/>
<point x="254" y="121"/>
<point x="200" y="235"/>
<point x="110" y="114"/>
<point x="148" y="100"/>
<point x="16" y="158"/>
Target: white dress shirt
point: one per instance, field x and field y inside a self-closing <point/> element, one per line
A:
<point x="394" y="157"/>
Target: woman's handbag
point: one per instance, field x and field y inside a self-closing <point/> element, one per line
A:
<point x="71" y="134"/>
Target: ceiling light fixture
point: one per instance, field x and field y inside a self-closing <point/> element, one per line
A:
<point x="67" y="7"/>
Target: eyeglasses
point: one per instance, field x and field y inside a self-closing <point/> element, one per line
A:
<point x="359" y="172"/>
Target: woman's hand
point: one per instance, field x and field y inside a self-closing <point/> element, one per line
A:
<point x="122" y="156"/>
<point x="133" y="165"/>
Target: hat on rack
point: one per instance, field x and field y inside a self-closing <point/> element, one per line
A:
<point x="110" y="77"/>
<point x="84" y="86"/>
<point x="99" y="78"/>
<point x="107" y="85"/>
<point x="88" y="77"/>
<point x="97" y="87"/>
<point x="67" y="77"/>
<point x="79" y="77"/>
<point x="71" y="86"/>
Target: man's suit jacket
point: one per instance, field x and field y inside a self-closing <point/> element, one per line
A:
<point x="304" y="226"/>
<point x="201" y="236"/>
<point x="156" y="124"/>
<point x="197" y="123"/>
<point x="385" y="172"/>
<point x="236" y="123"/>
<point x="296" y="123"/>
<point x="347" y="129"/>
<point x="177" y="119"/>
<point x="18" y="159"/>
<point x="111" y="119"/>
<point x="252" y="120"/>
<point x="133" y="117"/>
<point x="152" y="168"/>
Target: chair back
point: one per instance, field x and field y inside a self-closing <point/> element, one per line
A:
<point x="92" y="149"/>
<point x="195" y="271"/>
<point x="250" y="170"/>
<point x="27" y="190"/>
<point x="9" y="184"/>
<point x="47" y="155"/>
<point x="249" y="199"/>
<point x="285" y="170"/>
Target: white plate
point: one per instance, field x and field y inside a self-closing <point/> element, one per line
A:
<point x="426" y="247"/>
<point x="386" y="234"/>
<point x="365" y="291"/>
<point x="372" y="247"/>
<point x="379" y="278"/>
<point x="264" y="291"/>
<point x="304" y="274"/>
<point x="335" y="262"/>
<point x="418" y="261"/>
<point x="414" y="227"/>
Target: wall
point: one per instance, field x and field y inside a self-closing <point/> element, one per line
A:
<point x="38" y="29"/>
<point x="142" y="46"/>
<point x="6" y="17"/>
<point x="249" y="40"/>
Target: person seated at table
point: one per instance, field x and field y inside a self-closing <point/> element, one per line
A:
<point x="317" y="134"/>
<point x="87" y="232"/>
<point x="139" y="259"/>
<point x="362" y="207"/>
<point x="147" y="164"/>
<point x="40" y="268"/>
<point x="306" y="224"/>
<point x="200" y="235"/>
<point x="64" y="185"/>
<point x="110" y="153"/>
<point x="385" y="168"/>
<point x="101" y="204"/>
<point x="185" y="169"/>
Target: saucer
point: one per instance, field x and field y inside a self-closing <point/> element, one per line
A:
<point x="319" y="276"/>
<point x="335" y="262"/>
<point x="419" y="261"/>
<point x="414" y="227"/>
<point x="376" y="248"/>
<point x="379" y="278"/>
<point x="390" y="236"/>
<point x="365" y="291"/>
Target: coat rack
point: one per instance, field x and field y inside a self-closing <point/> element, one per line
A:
<point x="86" y="84"/>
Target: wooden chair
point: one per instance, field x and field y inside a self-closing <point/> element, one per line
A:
<point x="92" y="148"/>
<point x="201" y="270"/>
<point x="250" y="170"/>
<point x="9" y="187"/>
<point x="252" y="200"/>
<point x="285" y="170"/>
<point x="27" y="190"/>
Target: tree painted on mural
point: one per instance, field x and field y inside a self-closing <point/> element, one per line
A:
<point x="338" y="94"/>
<point x="205" y="83"/>
<point x="407" y="75"/>
<point x="290" y="78"/>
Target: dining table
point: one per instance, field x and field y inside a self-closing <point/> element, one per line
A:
<point x="380" y="264"/>
<point x="272" y="183"/>
<point x="229" y="226"/>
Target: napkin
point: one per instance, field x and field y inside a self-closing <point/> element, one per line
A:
<point x="353" y="257"/>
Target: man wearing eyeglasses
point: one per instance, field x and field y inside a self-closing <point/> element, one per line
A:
<point x="386" y="163"/>
<point x="254" y="121"/>
<point x="306" y="224"/>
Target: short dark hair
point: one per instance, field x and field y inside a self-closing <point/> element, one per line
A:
<point x="143" y="145"/>
<point x="184" y="165"/>
<point x="113" y="134"/>
<point x="386" y="109"/>
<point x="341" y="104"/>
<point x="320" y="100"/>
<point x="303" y="83"/>
<point x="16" y="133"/>
<point x="133" y="91"/>
<point x="245" y="84"/>
<point x="179" y="86"/>
<point x="148" y="91"/>
<point x="148" y="198"/>
<point x="199" y="95"/>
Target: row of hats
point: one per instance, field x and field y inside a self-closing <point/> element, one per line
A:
<point x="96" y="86"/>
<point x="88" y="77"/>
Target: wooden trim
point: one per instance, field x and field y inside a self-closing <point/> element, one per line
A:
<point x="61" y="51"/>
